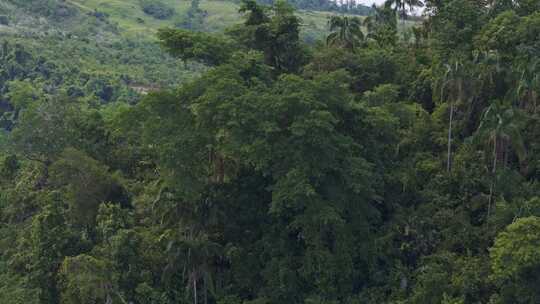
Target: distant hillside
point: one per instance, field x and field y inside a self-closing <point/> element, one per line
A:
<point x="117" y="37"/>
<point x="134" y="17"/>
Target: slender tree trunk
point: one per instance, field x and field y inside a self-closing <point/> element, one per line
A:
<point x="195" y="300"/>
<point x="121" y="298"/>
<point x="501" y="146"/>
<point x="524" y="166"/>
<point x="530" y="101"/>
<point x="489" y="203"/>
<point x="403" y="16"/>
<point x="534" y="101"/>
<point x="506" y="154"/>
<point x="43" y="180"/>
<point x="495" y="155"/>
<point x="449" y="149"/>
<point x="211" y="165"/>
<point x="450" y="123"/>
<point x="493" y="178"/>
<point x="220" y="170"/>
<point x="205" y="289"/>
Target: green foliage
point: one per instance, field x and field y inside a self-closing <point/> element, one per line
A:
<point x="22" y="93"/>
<point x="348" y="32"/>
<point x="85" y="281"/>
<point x="15" y="290"/>
<point x="374" y="168"/>
<point x="515" y="261"/>
<point x="50" y="8"/>
<point x="275" y="31"/>
<point x="157" y="9"/>
<point x="382" y="26"/>
<point x="206" y="48"/>
<point x="456" y="24"/>
<point x="43" y="129"/>
<point x="50" y="241"/>
<point x="194" y="18"/>
<point x="86" y="182"/>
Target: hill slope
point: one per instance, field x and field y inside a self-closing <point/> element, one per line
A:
<point x="115" y="39"/>
<point x="218" y="15"/>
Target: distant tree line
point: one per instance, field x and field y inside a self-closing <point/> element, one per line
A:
<point x="342" y="6"/>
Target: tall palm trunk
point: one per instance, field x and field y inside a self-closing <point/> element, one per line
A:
<point x="531" y="101"/>
<point x="449" y="148"/>
<point x="195" y="300"/>
<point x="403" y="16"/>
<point x="493" y="178"/>
<point x="450" y="124"/>
<point x="505" y="153"/>
<point x="205" y="289"/>
<point x="534" y="97"/>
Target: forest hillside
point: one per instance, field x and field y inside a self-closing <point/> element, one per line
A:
<point x="113" y="42"/>
<point x="271" y="152"/>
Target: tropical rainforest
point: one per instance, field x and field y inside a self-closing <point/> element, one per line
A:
<point x="244" y="152"/>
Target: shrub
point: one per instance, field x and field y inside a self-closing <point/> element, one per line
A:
<point x="99" y="15"/>
<point x="157" y="9"/>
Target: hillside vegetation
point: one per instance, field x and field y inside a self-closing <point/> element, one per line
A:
<point x="115" y="40"/>
<point x="155" y="152"/>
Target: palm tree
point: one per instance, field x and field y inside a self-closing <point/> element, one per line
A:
<point x="255" y="13"/>
<point x="346" y="32"/>
<point x="452" y="82"/>
<point x="400" y="7"/>
<point x="382" y="15"/>
<point x="381" y="25"/>
<point x="191" y="252"/>
<point x="487" y="66"/>
<point x="371" y="22"/>
<point x="528" y="85"/>
<point x="500" y="126"/>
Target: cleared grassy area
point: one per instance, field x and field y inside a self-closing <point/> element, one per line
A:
<point x="132" y="21"/>
<point x="128" y="15"/>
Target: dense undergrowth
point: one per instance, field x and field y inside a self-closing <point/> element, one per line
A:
<point x="370" y="166"/>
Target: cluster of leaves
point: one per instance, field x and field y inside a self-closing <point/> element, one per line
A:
<point x="157" y="9"/>
<point x="375" y="168"/>
<point x="55" y="9"/>
<point x="194" y="17"/>
<point x="24" y="77"/>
